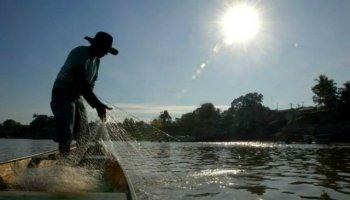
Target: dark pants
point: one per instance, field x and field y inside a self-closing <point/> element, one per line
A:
<point x="70" y="117"/>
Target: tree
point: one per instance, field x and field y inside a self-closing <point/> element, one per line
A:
<point x="12" y="129"/>
<point x="325" y="92"/>
<point x="246" y="117"/>
<point x="201" y="124"/>
<point x="164" y="117"/>
<point x="186" y="124"/>
<point x="10" y="123"/>
<point x="158" y="124"/>
<point x="345" y="94"/>
<point x="250" y="100"/>
<point x="128" y="122"/>
<point x="345" y="100"/>
<point x="42" y="126"/>
<point x="163" y="122"/>
<point x="41" y="121"/>
<point x="206" y="122"/>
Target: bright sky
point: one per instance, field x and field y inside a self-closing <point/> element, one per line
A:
<point x="173" y="54"/>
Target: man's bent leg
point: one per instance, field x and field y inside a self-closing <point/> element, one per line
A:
<point x="64" y="113"/>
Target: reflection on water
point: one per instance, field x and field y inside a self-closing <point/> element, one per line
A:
<point x="232" y="170"/>
<point x="243" y="170"/>
<point x="15" y="148"/>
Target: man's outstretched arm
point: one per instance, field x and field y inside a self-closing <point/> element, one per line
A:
<point x="84" y="86"/>
<point x="86" y="90"/>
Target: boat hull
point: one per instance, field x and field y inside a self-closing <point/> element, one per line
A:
<point x="114" y="176"/>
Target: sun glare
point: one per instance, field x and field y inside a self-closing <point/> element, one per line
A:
<point x="240" y="24"/>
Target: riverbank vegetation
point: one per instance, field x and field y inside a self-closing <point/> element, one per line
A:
<point x="246" y="119"/>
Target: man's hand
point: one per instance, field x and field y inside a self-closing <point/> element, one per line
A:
<point x="101" y="111"/>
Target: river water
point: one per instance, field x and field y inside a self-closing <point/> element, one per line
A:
<point x="233" y="170"/>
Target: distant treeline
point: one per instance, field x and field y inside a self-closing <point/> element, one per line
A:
<point x="41" y="127"/>
<point x="246" y="119"/>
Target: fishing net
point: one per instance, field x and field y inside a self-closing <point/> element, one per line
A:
<point x="123" y="137"/>
<point x="130" y="141"/>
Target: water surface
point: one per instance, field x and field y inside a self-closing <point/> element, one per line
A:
<point x="15" y="148"/>
<point x="250" y="170"/>
<point x="227" y="170"/>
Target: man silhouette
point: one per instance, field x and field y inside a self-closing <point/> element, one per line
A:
<point x="75" y="79"/>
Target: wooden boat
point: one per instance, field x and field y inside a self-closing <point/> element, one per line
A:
<point x="115" y="177"/>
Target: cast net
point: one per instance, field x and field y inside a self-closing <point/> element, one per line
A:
<point x="132" y="142"/>
<point x="135" y="144"/>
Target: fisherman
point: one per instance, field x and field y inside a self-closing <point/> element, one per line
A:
<point x="77" y="78"/>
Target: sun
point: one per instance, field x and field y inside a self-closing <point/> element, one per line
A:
<point x="240" y="24"/>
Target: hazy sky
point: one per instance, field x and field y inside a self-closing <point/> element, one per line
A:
<point x="163" y="43"/>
